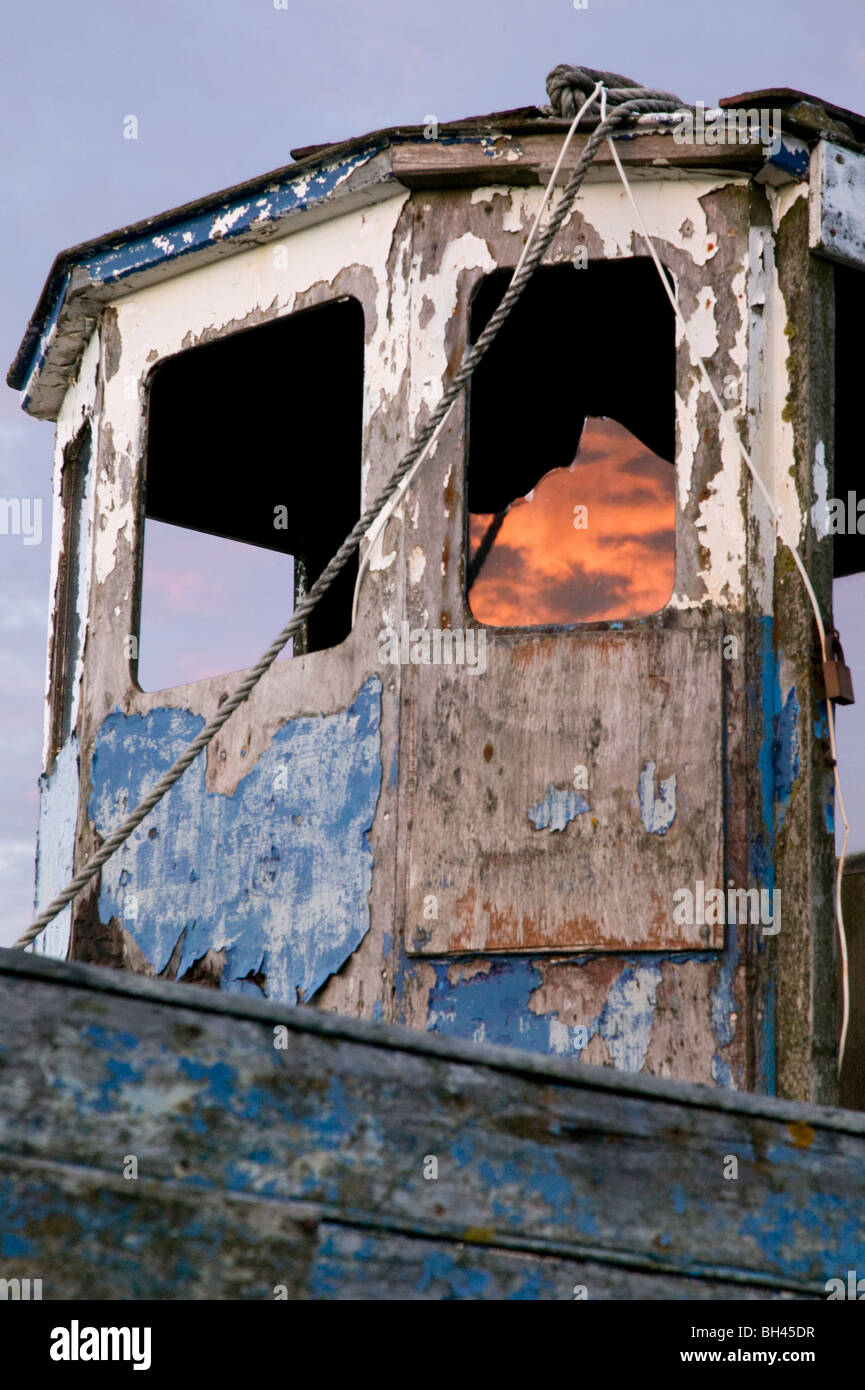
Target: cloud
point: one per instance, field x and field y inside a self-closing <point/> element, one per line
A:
<point x="544" y="568"/>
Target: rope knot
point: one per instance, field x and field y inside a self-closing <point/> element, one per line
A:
<point x="568" y="87"/>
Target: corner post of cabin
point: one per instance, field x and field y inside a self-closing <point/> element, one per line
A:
<point x="805" y="949"/>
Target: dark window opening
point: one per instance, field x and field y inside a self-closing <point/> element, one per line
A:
<point x="849" y="545"/>
<point x="846" y="524"/>
<point x="71" y="577"/>
<point x="571" y="492"/>
<point x="253" y="443"/>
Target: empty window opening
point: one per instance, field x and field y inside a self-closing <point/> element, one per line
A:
<point x="571" y="484"/>
<point x="846" y="524"/>
<point x="845" y="520"/>
<point x="252" y="484"/>
<point x="70" y="589"/>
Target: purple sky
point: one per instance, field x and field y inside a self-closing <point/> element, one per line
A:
<point x="222" y="90"/>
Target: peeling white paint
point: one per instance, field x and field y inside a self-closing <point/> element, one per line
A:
<point x="771" y="441"/>
<point x="416" y="564"/>
<point x="722" y="531"/>
<point x="820" y="509"/>
<point x="782" y="199"/>
<point x="664" y="205"/>
<point x="223" y="224"/>
<point x="657" y="812"/>
<point x="490" y="191"/>
<point x="58" y="811"/>
<point x="428" y="349"/>
<point x="689" y="439"/>
<point x="836" y="217"/>
<point x="702" y="327"/>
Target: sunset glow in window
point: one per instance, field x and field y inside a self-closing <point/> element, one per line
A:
<point x="592" y="541"/>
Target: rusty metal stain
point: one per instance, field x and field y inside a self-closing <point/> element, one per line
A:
<point x="801" y="1134"/>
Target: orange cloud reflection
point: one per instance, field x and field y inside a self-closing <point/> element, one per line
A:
<point x="542" y="569"/>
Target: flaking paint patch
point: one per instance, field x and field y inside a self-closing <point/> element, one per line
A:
<point x="665" y="207"/>
<point x="626" y="1020"/>
<point x="58" y="812"/>
<point x="277" y="876"/>
<point x="502" y="1006"/>
<point x="782" y="198"/>
<point x="772" y="440"/>
<point x="785" y="752"/>
<point x="416" y="564"/>
<point x="820" y="509"/>
<point x="557" y="808"/>
<point x="722" y="531"/>
<point x="493" y="1007"/>
<point x="689" y="440"/>
<point x="429" y="350"/>
<point x="657" y="812"/>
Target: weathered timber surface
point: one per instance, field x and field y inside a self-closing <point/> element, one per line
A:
<point x="521" y="158"/>
<point x="515" y="886"/>
<point x="303" y="1166"/>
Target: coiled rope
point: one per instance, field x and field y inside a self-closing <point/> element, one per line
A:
<point x="568" y="88"/>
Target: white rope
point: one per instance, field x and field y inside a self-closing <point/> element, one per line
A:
<point x="377" y="530"/>
<point x="734" y="434"/>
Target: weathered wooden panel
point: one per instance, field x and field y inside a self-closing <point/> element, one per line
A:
<point x="518" y="158"/>
<point x="542" y="1158"/>
<point x="837" y="204"/>
<point x="510" y="854"/>
<point x="91" y="1234"/>
<point x="363" y="1264"/>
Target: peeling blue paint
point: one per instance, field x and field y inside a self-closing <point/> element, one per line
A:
<point x="58" y="812"/>
<point x="791" y="155"/>
<point x="775" y="1229"/>
<point x="764" y="844"/>
<point x="225" y="221"/>
<point x="559" y="807"/>
<point x="626" y="1021"/>
<point x="767" y="1057"/>
<point x="723" y="1005"/>
<point x="450" y="1280"/>
<point x="494" y="1007"/>
<point x="762" y="849"/>
<point x="656" y="812"/>
<point x="489" y="1007"/>
<point x="47" y="332"/>
<point x="265" y="201"/>
<point x="281" y="877"/>
<point x="786" y="752"/>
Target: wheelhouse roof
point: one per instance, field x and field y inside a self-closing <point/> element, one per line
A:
<point x="85" y="277"/>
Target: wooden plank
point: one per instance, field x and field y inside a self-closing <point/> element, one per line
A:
<point x="516" y="159"/>
<point x="351" y="1263"/>
<point x="91" y="1234"/>
<point x="545" y="1158"/>
<point x="526" y="863"/>
<point x="837" y="204"/>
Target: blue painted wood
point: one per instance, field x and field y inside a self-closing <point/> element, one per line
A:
<point x="307" y="1167"/>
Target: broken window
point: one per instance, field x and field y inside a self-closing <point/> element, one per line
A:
<point x="571" y="484"/>
<point x="252" y="484"/>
